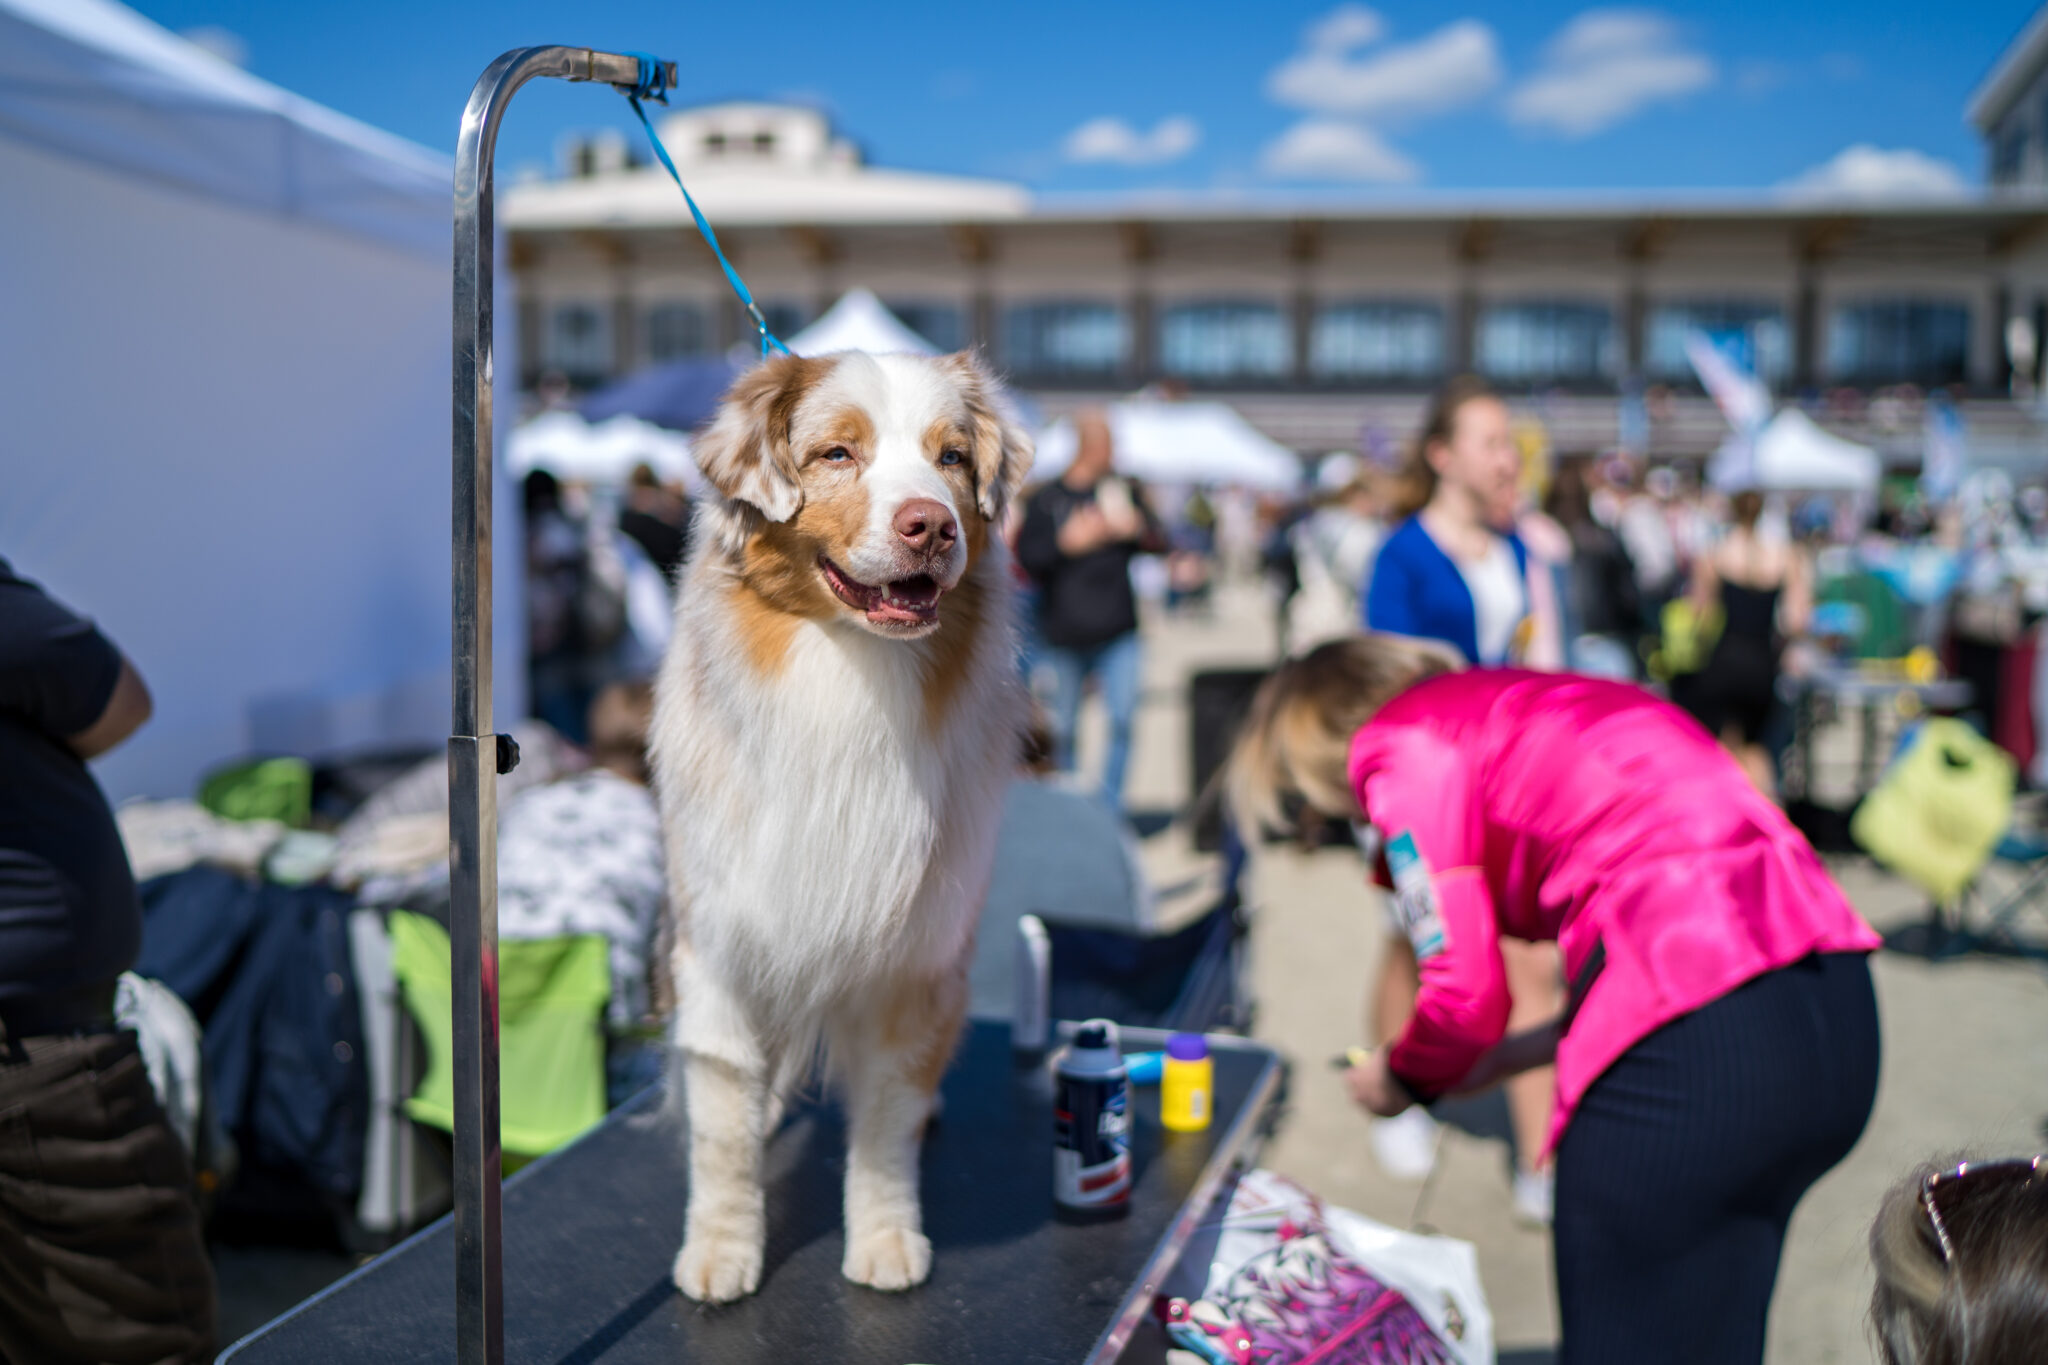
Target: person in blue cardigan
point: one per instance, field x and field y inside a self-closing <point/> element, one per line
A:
<point x="1447" y="573"/>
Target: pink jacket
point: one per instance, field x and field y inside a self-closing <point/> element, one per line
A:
<point x="1547" y="806"/>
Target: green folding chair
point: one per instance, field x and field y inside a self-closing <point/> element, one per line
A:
<point x="552" y="994"/>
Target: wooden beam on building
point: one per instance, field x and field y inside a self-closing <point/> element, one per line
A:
<point x="1646" y="239"/>
<point x="974" y="243"/>
<point x="1819" y="239"/>
<point x="816" y="246"/>
<point x="1304" y="241"/>
<point x="1141" y="242"/>
<point x="609" y="247"/>
<point x="1475" y="240"/>
<point x="2015" y="233"/>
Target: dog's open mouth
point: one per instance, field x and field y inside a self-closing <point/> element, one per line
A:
<point x="905" y="602"/>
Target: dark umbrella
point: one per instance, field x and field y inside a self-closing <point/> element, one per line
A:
<point x="678" y="394"/>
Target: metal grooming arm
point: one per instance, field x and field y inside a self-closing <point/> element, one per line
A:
<point x="476" y="756"/>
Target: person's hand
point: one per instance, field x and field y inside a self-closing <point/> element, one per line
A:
<point x="1373" y="1087"/>
<point x="1085" y="529"/>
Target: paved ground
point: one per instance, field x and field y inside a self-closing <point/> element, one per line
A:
<point x="1964" y="1066"/>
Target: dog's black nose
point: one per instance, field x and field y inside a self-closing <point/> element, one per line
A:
<point x="926" y="526"/>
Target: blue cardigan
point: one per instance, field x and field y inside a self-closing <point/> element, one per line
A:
<point x="1416" y="590"/>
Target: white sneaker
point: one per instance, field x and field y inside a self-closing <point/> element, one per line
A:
<point x="1405" y="1146"/>
<point x="1535" y="1191"/>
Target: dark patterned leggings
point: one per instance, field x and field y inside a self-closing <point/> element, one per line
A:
<point x="1684" y="1161"/>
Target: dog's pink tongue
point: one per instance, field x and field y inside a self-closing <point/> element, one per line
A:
<point x="909" y="600"/>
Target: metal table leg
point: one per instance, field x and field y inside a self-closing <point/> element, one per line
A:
<point x="476" y="756"/>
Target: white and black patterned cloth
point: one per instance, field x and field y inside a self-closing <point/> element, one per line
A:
<point x="583" y="856"/>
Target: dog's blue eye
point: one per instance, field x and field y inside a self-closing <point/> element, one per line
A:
<point x="951" y="457"/>
<point x="836" y="454"/>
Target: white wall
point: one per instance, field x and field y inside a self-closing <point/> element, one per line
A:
<point x="226" y="438"/>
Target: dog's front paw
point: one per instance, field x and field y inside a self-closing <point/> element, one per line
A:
<point x="712" y="1269"/>
<point x="888" y="1258"/>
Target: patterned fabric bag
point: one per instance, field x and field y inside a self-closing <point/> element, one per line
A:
<point x="1294" y="1282"/>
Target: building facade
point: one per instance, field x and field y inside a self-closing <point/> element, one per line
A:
<point x="1322" y="321"/>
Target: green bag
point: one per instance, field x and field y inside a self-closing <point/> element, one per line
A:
<point x="552" y="994"/>
<point x="266" y="789"/>
<point x="1941" y="808"/>
<point x="1688" y="637"/>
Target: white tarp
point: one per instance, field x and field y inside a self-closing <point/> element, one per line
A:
<point x="858" y="322"/>
<point x="94" y="81"/>
<point x="1792" y="454"/>
<point x="568" y="447"/>
<point x="224" y="360"/>
<point x="1179" y="443"/>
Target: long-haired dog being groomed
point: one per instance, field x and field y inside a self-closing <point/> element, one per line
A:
<point x="834" y="726"/>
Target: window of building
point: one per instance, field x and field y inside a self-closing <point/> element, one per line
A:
<point x="714" y="144"/>
<point x="2008" y="151"/>
<point x="1377" y="341"/>
<point x="764" y="144"/>
<point x="1225" y="341"/>
<point x="1897" y="341"/>
<point x="578" y="341"/>
<point x="1546" y="342"/>
<point x="943" y="324"/>
<point x="1751" y="332"/>
<point x="675" y="330"/>
<point x="1068" y="338"/>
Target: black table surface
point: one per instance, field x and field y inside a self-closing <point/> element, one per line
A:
<point x="591" y="1234"/>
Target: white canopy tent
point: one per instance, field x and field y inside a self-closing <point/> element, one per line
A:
<point x="1791" y="454"/>
<point x="600" y="452"/>
<point x="225" y="364"/>
<point x="1179" y="443"/>
<point x="858" y="322"/>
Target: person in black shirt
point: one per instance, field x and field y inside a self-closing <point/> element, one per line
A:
<point x="1079" y="535"/>
<point x="101" y="1255"/>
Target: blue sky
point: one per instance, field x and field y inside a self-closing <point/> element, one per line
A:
<point x="1386" y="99"/>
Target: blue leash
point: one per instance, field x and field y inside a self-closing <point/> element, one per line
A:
<point x="653" y="85"/>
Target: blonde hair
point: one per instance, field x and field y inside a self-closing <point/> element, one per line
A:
<point x="1296" y="739"/>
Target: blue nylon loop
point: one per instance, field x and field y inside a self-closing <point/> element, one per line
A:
<point x="653" y="81"/>
<point x="652" y="87"/>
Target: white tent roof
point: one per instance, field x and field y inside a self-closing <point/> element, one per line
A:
<point x="858" y="322"/>
<point x="1167" y="442"/>
<point x="1794" y="455"/>
<point x="94" y="80"/>
<point x="602" y="452"/>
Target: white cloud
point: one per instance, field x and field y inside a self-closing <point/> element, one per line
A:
<point x="1864" y="172"/>
<point x="1452" y="67"/>
<point x="1344" y="28"/>
<point x="1112" y="140"/>
<point x="1331" y="149"/>
<point x="1606" y="66"/>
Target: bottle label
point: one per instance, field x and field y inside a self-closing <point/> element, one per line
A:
<point x="1091" y="1142"/>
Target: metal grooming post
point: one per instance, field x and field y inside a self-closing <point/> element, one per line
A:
<point x="475" y="755"/>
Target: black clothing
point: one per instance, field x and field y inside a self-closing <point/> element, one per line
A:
<point x="1083" y="600"/>
<point x="666" y="543"/>
<point x="101" y="1256"/>
<point x="1600" y="586"/>
<point x="1684" y="1161"/>
<point x="69" y="916"/>
<point x="1739" y="684"/>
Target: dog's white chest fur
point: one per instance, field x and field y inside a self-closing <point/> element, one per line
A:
<point x="825" y="828"/>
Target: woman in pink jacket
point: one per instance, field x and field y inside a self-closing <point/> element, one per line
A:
<point x="1719" y="1048"/>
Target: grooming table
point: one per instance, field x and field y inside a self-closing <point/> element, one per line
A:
<point x="592" y="1231"/>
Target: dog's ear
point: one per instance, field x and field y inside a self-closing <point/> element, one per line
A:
<point x="1002" y="448"/>
<point x="745" y="452"/>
